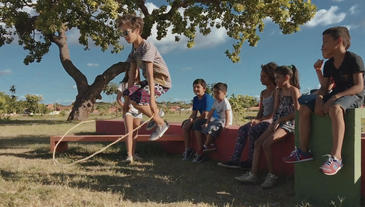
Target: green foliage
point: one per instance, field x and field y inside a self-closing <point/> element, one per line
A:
<point x="239" y="105"/>
<point x="63" y="113"/>
<point x="32" y="103"/>
<point x="95" y="20"/>
<point x="3" y="103"/>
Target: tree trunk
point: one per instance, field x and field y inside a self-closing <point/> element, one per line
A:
<point x="86" y="94"/>
<point x="86" y="99"/>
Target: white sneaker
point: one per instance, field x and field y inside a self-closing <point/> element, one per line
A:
<point x="152" y="124"/>
<point x="248" y="178"/>
<point x="270" y="181"/>
<point x="129" y="159"/>
<point x="159" y="132"/>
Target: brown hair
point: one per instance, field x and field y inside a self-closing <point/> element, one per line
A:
<point x="337" y="32"/>
<point x="132" y="21"/>
<point x="201" y="82"/>
<point x="269" y="70"/>
<point x="291" y="71"/>
<point x="221" y="86"/>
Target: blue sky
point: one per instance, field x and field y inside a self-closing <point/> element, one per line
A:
<point x="206" y="60"/>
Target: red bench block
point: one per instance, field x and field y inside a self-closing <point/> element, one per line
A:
<point x="225" y="144"/>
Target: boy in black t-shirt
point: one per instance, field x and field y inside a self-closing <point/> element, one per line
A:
<point x="346" y="68"/>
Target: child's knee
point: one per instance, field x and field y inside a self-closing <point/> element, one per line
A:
<point x="335" y="110"/>
<point x="304" y="109"/>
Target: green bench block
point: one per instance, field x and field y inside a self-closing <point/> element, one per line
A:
<point x="312" y="185"/>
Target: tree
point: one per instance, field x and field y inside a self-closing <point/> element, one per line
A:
<point x="111" y="89"/>
<point x="32" y="103"/>
<point x="240" y="103"/>
<point x="50" y="20"/>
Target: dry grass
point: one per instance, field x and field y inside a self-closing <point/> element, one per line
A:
<point x="28" y="176"/>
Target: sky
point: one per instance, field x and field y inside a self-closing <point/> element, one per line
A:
<point x="205" y="60"/>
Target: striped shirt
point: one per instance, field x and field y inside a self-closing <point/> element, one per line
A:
<point x="147" y="52"/>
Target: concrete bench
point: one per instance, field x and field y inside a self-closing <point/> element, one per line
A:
<point x="313" y="185"/>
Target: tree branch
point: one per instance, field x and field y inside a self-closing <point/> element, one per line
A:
<point x="28" y="4"/>
<point x="183" y="4"/>
<point x="142" y="6"/>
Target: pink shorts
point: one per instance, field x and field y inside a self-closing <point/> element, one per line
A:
<point x="140" y="92"/>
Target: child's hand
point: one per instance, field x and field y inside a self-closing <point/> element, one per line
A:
<point x="226" y="127"/>
<point x="318" y="108"/>
<point x="318" y="65"/>
<point x="205" y="125"/>
<point x="276" y="125"/>
<point x="125" y="108"/>
<point x="254" y="122"/>
<point x="188" y="125"/>
<point x="154" y="108"/>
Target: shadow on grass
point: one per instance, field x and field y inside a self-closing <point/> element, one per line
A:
<point x="32" y="122"/>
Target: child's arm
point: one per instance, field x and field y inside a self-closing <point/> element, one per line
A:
<point x="228" y="117"/>
<point x="273" y="126"/>
<point x="261" y="108"/>
<point x="318" y="67"/>
<point x="119" y="98"/>
<point x="193" y="115"/>
<point x="132" y="74"/>
<point x="151" y="84"/>
<point x="209" y="117"/>
<point x="355" y="89"/>
<point x="295" y="94"/>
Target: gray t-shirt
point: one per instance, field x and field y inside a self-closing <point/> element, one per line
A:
<point x="147" y="52"/>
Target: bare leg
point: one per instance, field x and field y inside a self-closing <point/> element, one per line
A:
<point x="304" y="127"/>
<point x="199" y="140"/>
<point x="278" y="135"/>
<point x="257" y="151"/>
<point x="146" y="110"/>
<point x="186" y="131"/>
<point x="136" y="123"/>
<point x="209" y="140"/>
<point x="128" y="123"/>
<point x="338" y="130"/>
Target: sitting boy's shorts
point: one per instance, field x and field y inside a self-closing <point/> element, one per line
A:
<point x="213" y="128"/>
<point x="197" y="125"/>
<point x="346" y="102"/>
<point x="140" y="92"/>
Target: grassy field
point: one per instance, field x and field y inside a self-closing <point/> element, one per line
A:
<point x="28" y="176"/>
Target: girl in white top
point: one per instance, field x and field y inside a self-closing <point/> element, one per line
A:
<point x="132" y="119"/>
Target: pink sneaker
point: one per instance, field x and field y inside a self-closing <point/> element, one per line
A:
<point x="298" y="156"/>
<point x="331" y="166"/>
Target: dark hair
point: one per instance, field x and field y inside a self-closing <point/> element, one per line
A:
<point x="291" y="71"/>
<point x="131" y="20"/>
<point x="221" y="86"/>
<point x="337" y="32"/>
<point x="201" y="82"/>
<point x="269" y="70"/>
<point x="126" y="77"/>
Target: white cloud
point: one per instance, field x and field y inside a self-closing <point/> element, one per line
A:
<point x="74" y="87"/>
<point x="326" y="17"/>
<point x="337" y="0"/>
<point x="168" y="44"/>
<point x="93" y="64"/>
<point x="5" y="72"/>
<point x="352" y="26"/>
<point x="353" y="10"/>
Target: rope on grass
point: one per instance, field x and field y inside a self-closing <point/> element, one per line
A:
<point x="103" y="149"/>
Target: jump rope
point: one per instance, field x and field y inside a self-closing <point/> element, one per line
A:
<point x="55" y="162"/>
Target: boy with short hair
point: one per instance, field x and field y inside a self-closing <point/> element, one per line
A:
<point x="202" y="103"/>
<point x="346" y="68"/>
<point x="224" y="120"/>
<point x="145" y="56"/>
